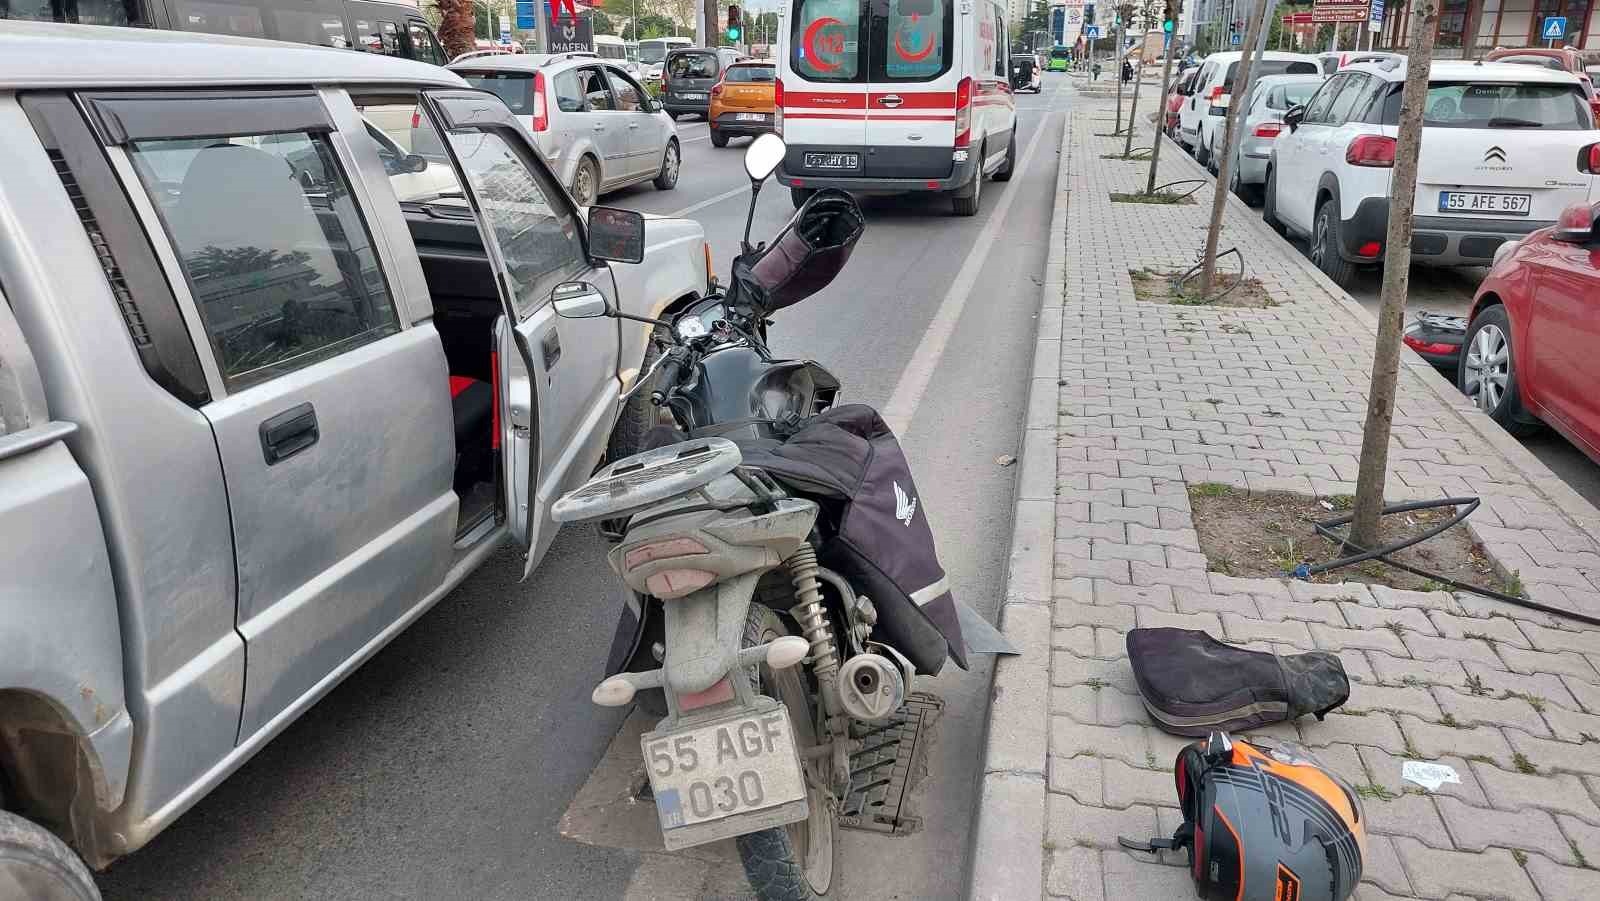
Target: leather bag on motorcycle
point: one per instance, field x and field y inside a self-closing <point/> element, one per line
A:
<point x="847" y="459"/>
<point x="806" y="255"/>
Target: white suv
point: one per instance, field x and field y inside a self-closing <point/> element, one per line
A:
<point x="1203" y="114"/>
<point x="597" y="128"/>
<point x="1503" y="152"/>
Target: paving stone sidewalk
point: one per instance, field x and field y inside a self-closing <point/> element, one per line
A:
<point x="1134" y="401"/>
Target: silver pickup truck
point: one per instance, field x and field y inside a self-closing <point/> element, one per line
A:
<point x="278" y="368"/>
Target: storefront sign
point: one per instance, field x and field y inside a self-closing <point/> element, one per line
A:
<point x="1339" y="11"/>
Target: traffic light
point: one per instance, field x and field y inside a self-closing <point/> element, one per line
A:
<point x="733" y="22"/>
<point x="1088" y="14"/>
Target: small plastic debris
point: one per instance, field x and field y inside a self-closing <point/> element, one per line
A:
<point x="1005" y="460"/>
<point x="1428" y="775"/>
<point x="1303" y="571"/>
<point x="1325" y="505"/>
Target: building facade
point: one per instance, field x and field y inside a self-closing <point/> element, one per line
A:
<point x="1470" y="28"/>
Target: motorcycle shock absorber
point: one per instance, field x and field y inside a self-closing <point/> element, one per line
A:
<point x="814" y="623"/>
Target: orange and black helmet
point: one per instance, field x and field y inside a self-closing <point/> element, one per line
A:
<point x="1267" y="823"/>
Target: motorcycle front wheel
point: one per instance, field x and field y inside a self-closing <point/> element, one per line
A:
<point x="793" y="862"/>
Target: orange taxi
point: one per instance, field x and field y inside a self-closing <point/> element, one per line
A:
<point x="742" y="101"/>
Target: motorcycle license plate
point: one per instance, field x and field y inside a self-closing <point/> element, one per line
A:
<point x="1485" y="202"/>
<point x="833" y="161"/>
<point x="726" y="777"/>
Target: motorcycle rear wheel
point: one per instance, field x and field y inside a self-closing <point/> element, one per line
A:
<point x="793" y="862"/>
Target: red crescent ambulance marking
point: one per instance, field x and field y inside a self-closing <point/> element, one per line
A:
<point x="809" y="42"/>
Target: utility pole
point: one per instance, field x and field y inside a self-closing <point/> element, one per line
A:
<point x="1373" y="468"/>
<point x="1236" y="95"/>
<point x="1166" y="85"/>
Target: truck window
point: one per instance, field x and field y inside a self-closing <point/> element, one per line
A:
<point x="538" y="239"/>
<point x="825" y="39"/>
<point x="912" y="39"/>
<point x="294" y="282"/>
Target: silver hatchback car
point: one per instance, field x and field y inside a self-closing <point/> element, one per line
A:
<point x="596" y="126"/>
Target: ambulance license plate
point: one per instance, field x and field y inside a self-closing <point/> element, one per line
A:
<point x="833" y="161"/>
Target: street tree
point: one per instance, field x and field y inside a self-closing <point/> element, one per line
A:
<point x="1147" y="15"/>
<point x="1373" y="467"/>
<point x="1174" y="10"/>
<point x="455" y="26"/>
<point x="1219" y="194"/>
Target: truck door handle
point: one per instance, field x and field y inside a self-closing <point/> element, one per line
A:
<point x="633" y="125"/>
<point x="550" y="344"/>
<point x="890" y="100"/>
<point x="288" y="433"/>
<point x="599" y="127"/>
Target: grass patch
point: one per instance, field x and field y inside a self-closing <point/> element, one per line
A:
<point x="1481" y="758"/>
<point x="1577" y="854"/>
<point x="1096" y="684"/>
<point x="1534" y="701"/>
<point x="1160" y="198"/>
<point x="1265" y="534"/>
<point x="1449" y="719"/>
<point x="1159" y="287"/>
<point x="1475" y="686"/>
<point x="1211" y="489"/>
<point x="1520" y="856"/>
<point x="1523" y="765"/>
<point x="1373" y="790"/>
<point x="1514" y="586"/>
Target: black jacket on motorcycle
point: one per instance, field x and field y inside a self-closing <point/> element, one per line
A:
<point x="848" y="461"/>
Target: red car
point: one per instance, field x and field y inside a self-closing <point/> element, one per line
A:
<point x="1175" y="96"/>
<point x="1532" y="347"/>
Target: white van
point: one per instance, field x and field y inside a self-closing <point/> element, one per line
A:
<point x="895" y="95"/>
<point x="613" y="48"/>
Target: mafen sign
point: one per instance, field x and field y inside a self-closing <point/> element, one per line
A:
<point x="1339" y="11"/>
<point x="571" y="33"/>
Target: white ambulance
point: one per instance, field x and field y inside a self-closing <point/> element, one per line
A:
<point x="896" y="95"/>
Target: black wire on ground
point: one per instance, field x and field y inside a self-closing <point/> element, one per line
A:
<point x="1194" y="271"/>
<point x="1465" y="506"/>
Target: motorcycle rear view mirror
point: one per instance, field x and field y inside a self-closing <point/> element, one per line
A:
<point x="579" y="300"/>
<point x="616" y="235"/>
<point x="762" y="157"/>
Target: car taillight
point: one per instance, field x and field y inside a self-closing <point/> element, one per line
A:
<point x="716" y="89"/>
<point x="1269" y="129"/>
<point x="1430" y="347"/>
<point x="777" y="107"/>
<point x="1376" y="151"/>
<point x="416" y="117"/>
<point x="541" y="114"/>
<point x="1215" y="93"/>
<point x="964" y="112"/>
<point x="1589" y="159"/>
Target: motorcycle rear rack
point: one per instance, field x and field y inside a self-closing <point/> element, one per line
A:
<point x="886" y="755"/>
<point x="641" y="480"/>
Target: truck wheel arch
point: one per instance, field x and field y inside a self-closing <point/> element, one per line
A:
<point x="51" y="773"/>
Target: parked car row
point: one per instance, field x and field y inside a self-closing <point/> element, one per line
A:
<point x="1509" y="175"/>
<point x="265" y="397"/>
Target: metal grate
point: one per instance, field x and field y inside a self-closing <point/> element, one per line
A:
<point x="102" y="251"/>
<point x="881" y="767"/>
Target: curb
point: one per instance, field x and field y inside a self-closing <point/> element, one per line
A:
<point x="1008" y="860"/>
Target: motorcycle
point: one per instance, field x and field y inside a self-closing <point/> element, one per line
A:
<point x="753" y="626"/>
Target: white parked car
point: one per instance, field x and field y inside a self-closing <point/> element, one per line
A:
<point x="1203" y="115"/>
<point x="595" y="125"/>
<point x="1503" y="152"/>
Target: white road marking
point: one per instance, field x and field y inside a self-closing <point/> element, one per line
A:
<point x="925" y="359"/>
<point x="742" y="190"/>
<point x="704" y="137"/>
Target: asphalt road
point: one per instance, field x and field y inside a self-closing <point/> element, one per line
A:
<point x="444" y="767"/>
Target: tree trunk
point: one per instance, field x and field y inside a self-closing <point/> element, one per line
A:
<point x="456" y="26"/>
<point x="1161" y="114"/>
<point x="1236" y="97"/>
<point x="1374" y="464"/>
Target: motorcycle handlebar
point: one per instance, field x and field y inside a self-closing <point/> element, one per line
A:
<point x="668" y="377"/>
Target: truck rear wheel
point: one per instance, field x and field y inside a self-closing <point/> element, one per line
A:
<point x="40" y="867"/>
<point x="965" y="201"/>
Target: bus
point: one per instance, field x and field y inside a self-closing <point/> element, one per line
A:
<point x="393" y="29"/>
<point x="614" y="48"/>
